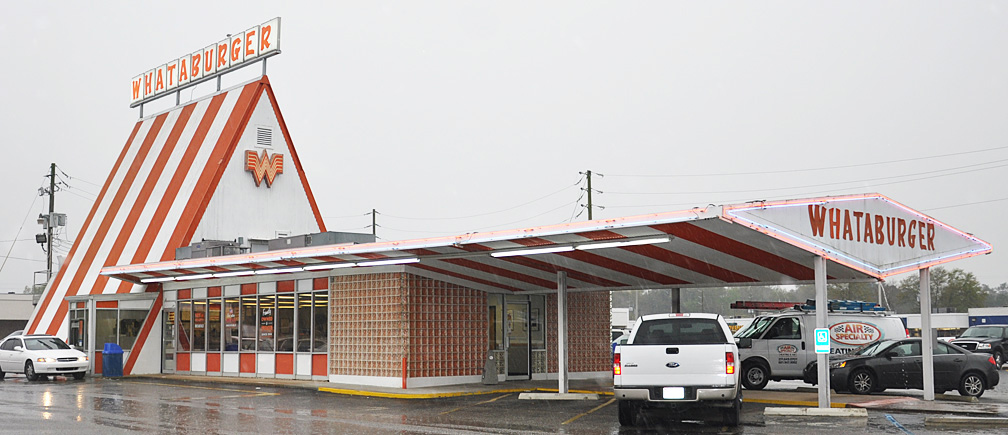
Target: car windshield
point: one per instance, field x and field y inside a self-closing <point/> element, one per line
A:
<point x="755" y="329"/>
<point x="984" y="331"/>
<point x="45" y="343"/>
<point x="872" y="349"/>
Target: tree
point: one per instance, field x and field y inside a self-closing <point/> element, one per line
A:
<point x="956" y="290"/>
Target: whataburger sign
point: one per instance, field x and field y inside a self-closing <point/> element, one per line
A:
<point x="238" y="50"/>
<point x="870" y="233"/>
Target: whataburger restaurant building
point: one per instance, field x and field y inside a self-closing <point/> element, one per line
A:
<point x="410" y="313"/>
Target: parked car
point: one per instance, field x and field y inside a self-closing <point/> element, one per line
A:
<point x="40" y="355"/>
<point x="898" y="364"/>
<point x="992" y="339"/>
<point x="622" y="339"/>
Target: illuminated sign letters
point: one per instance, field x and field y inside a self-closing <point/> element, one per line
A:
<point x="237" y="50"/>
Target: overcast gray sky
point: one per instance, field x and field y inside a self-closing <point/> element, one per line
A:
<point x="450" y="117"/>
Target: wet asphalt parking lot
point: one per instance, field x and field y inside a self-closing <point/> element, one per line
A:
<point x="97" y="405"/>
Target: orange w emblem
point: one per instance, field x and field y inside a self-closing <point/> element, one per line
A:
<point x="266" y="167"/>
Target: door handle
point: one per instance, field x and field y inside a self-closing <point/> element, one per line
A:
<point x="803" y="345"/>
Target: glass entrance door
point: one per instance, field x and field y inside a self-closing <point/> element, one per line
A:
<point x="516" y="340"/>
<point x="168" y="341"/>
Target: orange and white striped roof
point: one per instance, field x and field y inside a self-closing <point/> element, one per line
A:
<point x="159" y="190"/>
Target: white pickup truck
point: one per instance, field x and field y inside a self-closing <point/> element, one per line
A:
<point x="680" y="361"/>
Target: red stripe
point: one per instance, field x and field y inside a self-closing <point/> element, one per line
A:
<point x="465" y="277"/>
<point x="622" y="267"/>
<point x="492" y="270"/>
<point x="547" y="267"/>
<point x="214" y="169"/>
<point x="171" y="192"/>
<point x="145" y="192"/>
<point x="294" y="156"/>
<point x="144" y="333"/>
<point x="41" y="309"/>
<point x="737" y="249"/>
<point x="109" y="217"/>
<point x="690" y="263"/>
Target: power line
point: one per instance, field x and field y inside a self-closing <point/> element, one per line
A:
<point x="488" y="213"/>
<point x="965" y="204"/>
<point x="824" y="168"/>
<point x="34" y="198"/>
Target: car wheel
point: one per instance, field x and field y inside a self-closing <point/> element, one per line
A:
<point x="78" y="376"/>
<point x="862" y="382"/>
<point x="628" y="410"/>
<point x="972" y="385"/>
<point x="755" y="376"/>
<point x="29" y="371"/>
<point x="999" y="359"/>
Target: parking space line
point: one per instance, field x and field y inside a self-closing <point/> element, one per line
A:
<point x="589" y="412"/>
<point x="477" y="403"/>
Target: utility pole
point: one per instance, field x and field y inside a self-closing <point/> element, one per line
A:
<point x="588" y="176"/>
<point x="52" y="206"/>
<point x="374" y="226"/>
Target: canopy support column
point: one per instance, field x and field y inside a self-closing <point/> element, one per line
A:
<point x="674" y="296"/>
<point x="562" y="331"/>
<point x="821" y="305"/>
<point x="927" y="336"/>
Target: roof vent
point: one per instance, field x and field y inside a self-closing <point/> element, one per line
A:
<point x="264" y="137"/>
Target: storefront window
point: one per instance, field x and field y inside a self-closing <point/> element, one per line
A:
<point x="267" y="323"/>
<point x="304" y="328"/>
<point x="130" y="322"/>
<point x="214" y="325"/>
<point x="105" y="327"/>
<point x="320" y="323"/>
<point x="285" y="323"/>
<point x="185" y="325"/>
<point x="537" y="321"/>
<point x="199" y="326"/>
<point x="248" y="323"/>
<point x="231" y="310"/>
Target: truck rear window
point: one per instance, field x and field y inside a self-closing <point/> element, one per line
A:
<point x="683" y="330"/>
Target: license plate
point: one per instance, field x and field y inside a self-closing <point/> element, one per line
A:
<point x="674" y="393"/>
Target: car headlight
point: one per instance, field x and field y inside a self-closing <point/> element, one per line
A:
<point x="983" y="345"/>
<point x="82" y="358"/>
<point x="838" y="365"/>
<point x="45" y="360"/>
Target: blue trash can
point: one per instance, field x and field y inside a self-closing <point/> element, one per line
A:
<point x="112" y="360"/>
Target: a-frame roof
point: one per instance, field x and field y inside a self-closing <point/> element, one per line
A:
<point x="157" y="193"/>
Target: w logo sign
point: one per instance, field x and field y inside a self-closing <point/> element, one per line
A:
<point x="263" y="167"/>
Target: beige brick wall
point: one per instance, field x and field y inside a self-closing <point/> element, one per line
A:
<point x="588" y="325"/>
<point x="376" y="320"/>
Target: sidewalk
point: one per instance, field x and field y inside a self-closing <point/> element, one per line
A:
<point x="801" y="397"/>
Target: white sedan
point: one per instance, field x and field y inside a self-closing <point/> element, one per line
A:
<point x="39" y="355"/>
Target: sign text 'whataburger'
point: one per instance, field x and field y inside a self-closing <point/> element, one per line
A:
<point x="864" y="227"/>
<point x="239" y="49"/>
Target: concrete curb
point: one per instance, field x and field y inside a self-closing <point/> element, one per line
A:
<point x="848" y="417"/>
<point x="557" y="396"/>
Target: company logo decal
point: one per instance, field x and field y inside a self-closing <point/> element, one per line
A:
<point x="787" y="348"/>
<point x="672" y="365"/>
<point x="264" y="167"/>
<point x="855" y="333"/>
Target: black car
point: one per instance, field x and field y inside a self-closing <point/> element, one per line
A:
<point x="897" y="364"/>
<point x="992" y="339"/>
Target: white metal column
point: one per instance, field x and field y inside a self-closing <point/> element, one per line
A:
<point x="91" y="345"/>
<point x="821" y="305"/>
<point x="562" y="331"/>
<point x="927" y="336"/>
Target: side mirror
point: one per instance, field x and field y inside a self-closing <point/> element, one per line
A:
<point x="18" y="348"/>
<point x="890" y="355"/>
<point x="744" y="343"/>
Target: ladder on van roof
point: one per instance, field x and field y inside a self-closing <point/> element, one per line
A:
<point x="845" y="305"/>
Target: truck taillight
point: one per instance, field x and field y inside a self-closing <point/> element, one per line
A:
<point x="729" y="363"/>
<point x="616" y="364"/>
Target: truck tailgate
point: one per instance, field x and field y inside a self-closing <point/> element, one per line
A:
<point x="673" y="365"/>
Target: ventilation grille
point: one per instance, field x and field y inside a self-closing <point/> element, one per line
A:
<point x="264" y="136"/>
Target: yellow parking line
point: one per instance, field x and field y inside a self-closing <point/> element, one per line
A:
<point x="474" y="404"/>
<point x="589" y="412"/>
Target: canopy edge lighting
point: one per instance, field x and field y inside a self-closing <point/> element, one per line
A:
<point x="550" y="250"/>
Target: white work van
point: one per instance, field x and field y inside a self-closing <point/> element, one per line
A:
<point x="780" y="346"/>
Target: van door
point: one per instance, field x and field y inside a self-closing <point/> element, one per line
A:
<point x="786" y="348"/>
